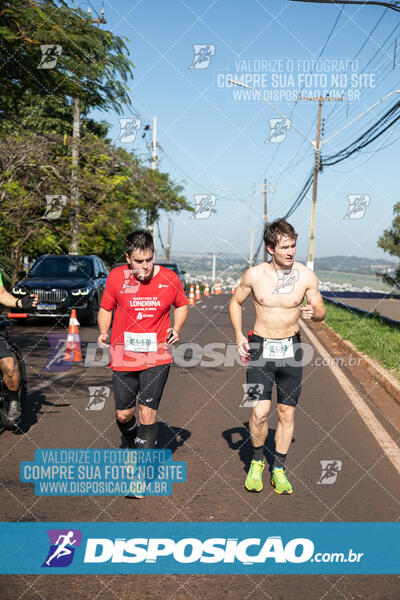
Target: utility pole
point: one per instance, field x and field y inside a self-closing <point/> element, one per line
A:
<point x="265" y="189"/>
<point x="251" y="254"/>
<point x="265" y="216"/>
<point x="154" y="145"/>
<point x="153" y="166"/>
<point x="317" y="146"/>
<point x="168" y="246"/>
<point x="74" y="245"/>
<point x="76" y="134"/>
<point x="311" y="239"/>
<point x="214" y="266"/>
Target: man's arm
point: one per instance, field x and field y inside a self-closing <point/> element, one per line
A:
<point x="104" y="318"/>
<point x="315" y="308"/>
<point x="180" y="315"/>
<point x="7" y="299"/>
<point x="241" y="294"/>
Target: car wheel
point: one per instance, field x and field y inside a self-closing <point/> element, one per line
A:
<point x="91" y="318"/>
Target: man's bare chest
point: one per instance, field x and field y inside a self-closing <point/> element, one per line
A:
<point x="283" y="289"/>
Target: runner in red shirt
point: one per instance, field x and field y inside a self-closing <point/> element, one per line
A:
<point x="140" y="352"/>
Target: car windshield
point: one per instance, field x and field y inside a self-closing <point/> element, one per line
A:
<point x="171" y="266"/>
<point x="62" y="267"/>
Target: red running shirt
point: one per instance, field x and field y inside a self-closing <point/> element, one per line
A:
<point x="141" y="318"/>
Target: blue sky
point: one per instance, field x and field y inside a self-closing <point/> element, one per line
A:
<point x="214" y="143"/>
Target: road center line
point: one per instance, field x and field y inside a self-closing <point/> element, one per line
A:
<point x="390" y="447"/>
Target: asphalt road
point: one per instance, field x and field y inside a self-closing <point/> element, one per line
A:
<point x="387" y="308"/>
<point x="203" y="422"/>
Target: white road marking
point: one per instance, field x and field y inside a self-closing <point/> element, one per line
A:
<point x="390" y="447"/>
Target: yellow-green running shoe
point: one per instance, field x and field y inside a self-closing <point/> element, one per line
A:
<point x="280" y="482"/>
<point x="254" y="476"/>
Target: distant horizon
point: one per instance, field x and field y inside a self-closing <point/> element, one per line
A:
<point x="299" y="258"/>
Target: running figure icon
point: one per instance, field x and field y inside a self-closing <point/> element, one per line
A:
<point x="62" y="549"/>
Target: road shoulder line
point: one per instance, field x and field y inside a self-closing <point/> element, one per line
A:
<point x="387" y="444"/>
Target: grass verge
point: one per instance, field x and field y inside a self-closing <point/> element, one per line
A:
<point x="370" y="335"/>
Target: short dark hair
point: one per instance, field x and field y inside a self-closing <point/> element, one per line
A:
<point x="277" y="229"/>
<point x="139" y="240"/>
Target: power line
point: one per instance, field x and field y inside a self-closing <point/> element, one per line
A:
<point x="301" y="196"/>
<point x="394" y="5"/>
<point x="159" y="235"/>
<point x="192" y="182"/>
<point x="374" y="132"/>
<point x="341" y="120"/>
<point x="295" y="105"/>
<point x="362" y="46"/>
<point x="371" y="154"/>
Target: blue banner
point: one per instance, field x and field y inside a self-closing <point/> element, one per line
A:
<point x="200" y="548"/>
<point x="76" y="472"/>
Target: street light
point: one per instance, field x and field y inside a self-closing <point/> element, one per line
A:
<point x="317" y="144"/>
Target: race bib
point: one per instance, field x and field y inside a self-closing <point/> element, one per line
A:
<point x="140" y="342"/>
<point x="277" y="349"/>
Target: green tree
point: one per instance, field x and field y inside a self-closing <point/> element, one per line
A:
<point x="390" y="243"/>
<point x="93" y="65"/>
<point x="116" y="191"/>
<point x="51" y="114"/>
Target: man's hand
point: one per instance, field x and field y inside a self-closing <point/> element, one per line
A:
<point x="307" y="311"/>
<point x="242" y="345"/>
<point x="27" y="301"/>
<point x="102" y="340"/>
<point x="174" y="337"/>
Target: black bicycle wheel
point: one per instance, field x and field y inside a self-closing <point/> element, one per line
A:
<point x="22" y="388"/>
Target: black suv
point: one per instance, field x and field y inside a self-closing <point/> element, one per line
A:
<point x="64" y="282"/>
<point x="175" y="268"/>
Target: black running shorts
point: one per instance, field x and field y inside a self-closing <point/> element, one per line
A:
<point x="148" y="383"/>
<point x="5" y="349"/>
<point x="262" y="373"/>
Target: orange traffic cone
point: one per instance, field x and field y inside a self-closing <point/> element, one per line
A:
<point x="191" y="296"/>
<point x="218" y="289"/>
<point x="206" y="290"/>
<point x="73" y="351"/>
<point x="198" y="295"/>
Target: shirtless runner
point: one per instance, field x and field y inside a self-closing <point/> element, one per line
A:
<point x="273" y="350"/>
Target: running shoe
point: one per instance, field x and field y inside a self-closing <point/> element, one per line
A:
<point x="14" y="411"/>
<point x="136" y="487"/>
<point x="279" y="481"/>
<point x="254" y="476"/>
<point x="135" y="490"/>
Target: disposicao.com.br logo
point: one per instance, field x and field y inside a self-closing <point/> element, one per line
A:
<point x="247" y="551"/>
<point x="201" y="547"/>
